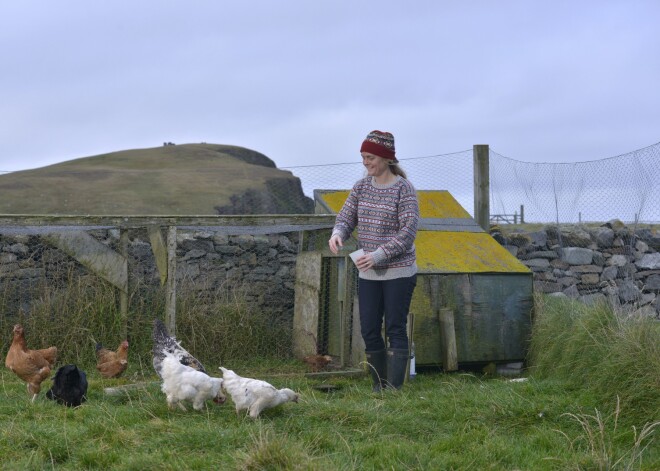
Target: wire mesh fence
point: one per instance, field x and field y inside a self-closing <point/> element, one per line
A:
<point x="625" y="187"/>
<point x="234" y="289"/>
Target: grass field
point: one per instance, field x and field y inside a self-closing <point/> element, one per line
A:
<point x="187" y="179"/>
<point x="568" y="413"/>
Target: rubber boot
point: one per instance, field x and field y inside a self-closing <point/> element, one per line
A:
<point x="397" y="362"/>
<point x="376" y="364"/>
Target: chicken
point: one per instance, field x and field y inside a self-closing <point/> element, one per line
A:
<point x="32" y="366"/>
<point x="112" y="364"/>
<point x="165" y="343"/>
<point x="69" y="386"/>
<point x="183" y="383"/>
<point x="317" y="362"/>
<point x="253" y="394"/>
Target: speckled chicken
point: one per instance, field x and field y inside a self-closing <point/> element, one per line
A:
<point x="165" y="343"/>
<point x="32" y="366"/>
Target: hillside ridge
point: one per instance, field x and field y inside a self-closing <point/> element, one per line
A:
<point x="182" y="179"/>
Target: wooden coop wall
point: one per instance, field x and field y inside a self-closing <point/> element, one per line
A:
<point x="489" y="314"/>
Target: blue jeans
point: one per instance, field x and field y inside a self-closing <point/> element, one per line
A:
<point x="389" y="299"/>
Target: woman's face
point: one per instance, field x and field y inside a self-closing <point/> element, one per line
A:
<point x="376" y="166"/>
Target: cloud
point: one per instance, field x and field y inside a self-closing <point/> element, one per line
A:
<point x="303" y="82"/>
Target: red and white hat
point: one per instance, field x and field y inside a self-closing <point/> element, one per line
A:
<point x="381" y="144"/>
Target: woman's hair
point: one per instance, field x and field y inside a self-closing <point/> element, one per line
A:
<point x="396" y="170"/>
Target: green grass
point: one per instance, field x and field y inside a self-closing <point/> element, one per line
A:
<point x="590" y="401"/>
<point x="617" y="358"/>
<point x="87" y="311"/>
<point x="187" y="179"/>
<point x="456" y="421"/>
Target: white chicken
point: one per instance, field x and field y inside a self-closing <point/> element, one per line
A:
<point x="254" y="395"/>
<point x="183" y="383"/>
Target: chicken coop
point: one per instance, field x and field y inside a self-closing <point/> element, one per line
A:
<point x="472" y="304"/>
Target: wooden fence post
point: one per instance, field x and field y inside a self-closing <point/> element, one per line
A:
<point x="170" y="294"/>
<point x="123" y="295"/>
<point x="481" y="186"/>
<point x="449" y="355"/>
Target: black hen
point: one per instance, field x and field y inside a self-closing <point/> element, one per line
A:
<point x="164" y="342"/>
<point x="69" y="386"/>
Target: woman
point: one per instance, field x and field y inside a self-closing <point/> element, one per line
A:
<point x="383" y="206"/>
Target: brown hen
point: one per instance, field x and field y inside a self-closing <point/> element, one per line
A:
<point x="32" y="366"/>
<point x="112" y="364"/>
<point x="317" y="362"/>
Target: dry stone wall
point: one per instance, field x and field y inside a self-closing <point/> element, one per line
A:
<point x="257" y="269"/>
<point x="613" y="263"/>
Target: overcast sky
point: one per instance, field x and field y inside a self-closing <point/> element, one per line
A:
<point x="303" y="82"/>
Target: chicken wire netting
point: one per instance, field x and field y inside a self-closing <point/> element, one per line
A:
<point x="234" y="293"/>
<point x="625" y="187"/>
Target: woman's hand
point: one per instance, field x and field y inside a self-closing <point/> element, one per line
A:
<point x="335" y="244"/>
<point x="365" y="262"/>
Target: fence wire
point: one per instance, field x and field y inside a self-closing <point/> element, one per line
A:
<point x="234" y="292"/>
<point x="625" y="187"/>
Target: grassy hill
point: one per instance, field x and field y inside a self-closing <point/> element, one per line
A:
<point x="186" y="179"/>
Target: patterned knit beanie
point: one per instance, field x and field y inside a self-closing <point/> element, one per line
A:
<point x="381" y="144"/>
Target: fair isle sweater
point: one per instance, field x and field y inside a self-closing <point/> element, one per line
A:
<point x="386" y="217"/>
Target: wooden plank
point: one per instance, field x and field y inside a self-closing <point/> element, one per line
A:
<point x="170" y="288"/>
<point x="268" y="221"/>
<point x="159" y="249"/>
<point x="449" y="357"/>
<point x="339" y="373"/>
<point x="425" y="304"/>
<point x="306" y="305"/>
<point x="357" y="343"/>
<point x="347" y="310"/>
<point x="123" y="294"/>
<point x="342" y="276"/>
<point x="125" y="389"/>
<point x="91" y="253"/>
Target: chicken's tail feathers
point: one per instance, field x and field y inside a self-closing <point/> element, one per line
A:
<point x="161" y="336"/>
<point x="99" y="346"/>
<point x="226" y="371"/>
<point x="159" y="329"/>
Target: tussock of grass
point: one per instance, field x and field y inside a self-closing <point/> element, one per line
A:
<point x="594" y="348"/>
<point x="269" y="450"/>
<point x="598" y="435"/>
